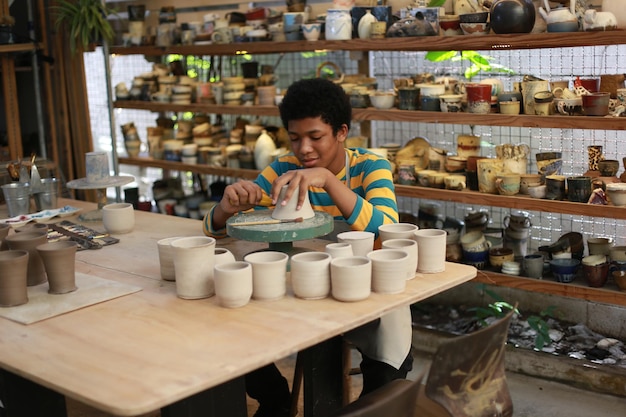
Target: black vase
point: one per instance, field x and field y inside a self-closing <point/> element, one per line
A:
<point x="512" y="16"/>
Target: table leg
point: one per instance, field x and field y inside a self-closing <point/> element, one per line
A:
<point x="228" y="399"/>
<point x="323" y="369"/>
<point x="23" y="398"/>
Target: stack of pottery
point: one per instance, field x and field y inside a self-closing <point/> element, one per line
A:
<point x="475" y="249"/>
<point x="516" y="232"/>
<point x="132" y="143"/>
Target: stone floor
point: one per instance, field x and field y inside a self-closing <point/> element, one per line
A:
<point x="532" y="397"/>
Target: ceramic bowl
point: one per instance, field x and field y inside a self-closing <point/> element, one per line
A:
<point x="477" y="259"/>
<point x="478" y="17"/>
<point x="568" y="106"/>
<point x="382" y="100"/>
<point x="475" y="28"/>
<point x="617" y="193"/>
<point x="608" y="167"/>
<point x="564" y="270"/>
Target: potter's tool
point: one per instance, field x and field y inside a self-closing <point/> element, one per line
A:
<point x="274" y="221"/>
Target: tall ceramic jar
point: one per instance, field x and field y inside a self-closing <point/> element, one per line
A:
<point x="512" y="16"/>
<point x="338" y="25"/>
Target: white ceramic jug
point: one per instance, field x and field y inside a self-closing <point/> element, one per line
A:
<point x="338" y="25"/>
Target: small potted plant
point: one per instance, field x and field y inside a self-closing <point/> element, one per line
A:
<point x="6" y="29"/>
<point x="85" y="20"/>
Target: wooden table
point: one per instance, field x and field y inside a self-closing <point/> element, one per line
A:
<point x="152" y="350"/>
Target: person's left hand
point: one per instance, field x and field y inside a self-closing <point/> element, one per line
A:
<point x="302" y="178"/>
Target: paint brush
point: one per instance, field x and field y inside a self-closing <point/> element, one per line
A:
<point x="273" y="221"/>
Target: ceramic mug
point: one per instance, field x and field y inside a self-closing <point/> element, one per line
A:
<point x="389" y="267"/>
<point x="362" y="242"/>
<point x="269" y="274"/>
<point x="431" y="249"/>
<point x="508" y="183"/>
<point x="310" y="275"/>
<point x="351" y="278"/>
<point x="118" y="218"/>
<point x="233" y="283"/>
<point x="579" y="189"/>
<point x="194" y="261"/>
<point x="396" y="231"/>
<point x="410" y="247"/>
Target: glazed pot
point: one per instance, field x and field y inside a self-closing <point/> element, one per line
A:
<point x="512" y="16"/>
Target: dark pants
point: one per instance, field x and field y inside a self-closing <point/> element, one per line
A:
<point x="270" y="388"/>
<point x="376" y="373"/>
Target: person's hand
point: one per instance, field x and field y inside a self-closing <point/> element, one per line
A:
<point x="242" y="195"/>
<point x="303" y="178"/>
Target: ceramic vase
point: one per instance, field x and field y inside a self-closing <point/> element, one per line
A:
<point x="166" y="258"/>
<point x="338" y="25"/>
<point x="13" y="278"/>
<point x="410" y="247"/>
<point x="59" y="259"/>
<point x="310" y="275"/>
<point x="362" y="242"/>
<point x="431" y="248"/>
<point x="269" y="274"/>
<point x="339" y="250"/>
<point x="233" y="283"/>
<point x="194" y="259"/>
<point x="288" y="210"/>
<point x="351" y="278"/>
<point x="29" y="241"/>
<point x="389" y="268"/>
<point x="364" y="28"/>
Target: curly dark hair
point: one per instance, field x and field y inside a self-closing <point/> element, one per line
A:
<point x="316" y="97"/>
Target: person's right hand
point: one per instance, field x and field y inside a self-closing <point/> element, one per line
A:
<point x="240" y="196"/>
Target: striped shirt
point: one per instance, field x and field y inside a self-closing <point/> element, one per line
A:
<point x="370" y="178"/>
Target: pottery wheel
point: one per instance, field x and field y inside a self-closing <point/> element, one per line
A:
<point x="279" y="236"/>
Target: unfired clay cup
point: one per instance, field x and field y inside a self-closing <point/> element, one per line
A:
<point x="194" y="259"/>
<point x="431" y="246"/>
<point x="59" y="259"/>
<point x="389" y="268"/>
<point x="362" y="242"/>
<point x="410" y="247"/>
<point x="310" y="275"/>
<point x="166" y="258"/>
<point x="13" y="278"/>
<point x="233" y="283"/>
<point x="396" y="231"/>
<point x="269" y="274"/>
<point x="351" y="278"/>
<point x="339" y="249"/>
<point x="118" y="218"/>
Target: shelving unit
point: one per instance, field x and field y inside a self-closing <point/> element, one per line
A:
<point x="489" y="42"/>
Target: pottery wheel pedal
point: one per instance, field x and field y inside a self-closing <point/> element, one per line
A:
<point x="279" y="236"/>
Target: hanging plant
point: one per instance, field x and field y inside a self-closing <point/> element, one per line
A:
<point x="85" y="20"/>
<point x="478" y="62"/>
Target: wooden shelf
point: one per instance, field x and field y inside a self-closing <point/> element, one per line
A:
<point x="148" y="162"/>
<point x="609" y="294"/>
<point x="514" y="202"/>
<point x="18" y="47"/>
<point x="493" y="119"/>
<point x="418" y="43"/>
<point x="466" y="197"/>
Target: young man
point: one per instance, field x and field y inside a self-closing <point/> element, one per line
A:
<point x="355" y="187"/>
